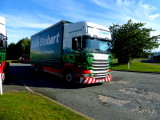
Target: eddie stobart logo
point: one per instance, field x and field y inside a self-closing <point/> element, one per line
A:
<point x="49" y="40"/>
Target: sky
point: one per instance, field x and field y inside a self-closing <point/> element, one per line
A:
<point x="27" y="17"/>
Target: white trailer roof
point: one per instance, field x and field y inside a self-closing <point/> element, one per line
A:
<point x="2" y="26"/>
<point x="2" y="20"/>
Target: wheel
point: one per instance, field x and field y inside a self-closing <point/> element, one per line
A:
<point x="6" y="75"/>
<point x="68" y="77"/>
<point x="3" y="77"/>
<point x="38" y="69"/>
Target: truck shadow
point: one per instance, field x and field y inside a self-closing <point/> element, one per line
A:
<point x="150" y="61"/>
<point x="21" y="74"/>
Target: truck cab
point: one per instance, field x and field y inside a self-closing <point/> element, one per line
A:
<point x="3" y="33"/>
<point x="3" y="45"/>
<point x="88" y="45"/>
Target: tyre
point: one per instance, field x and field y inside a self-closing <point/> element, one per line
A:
<point x="3" y="77"/>
<point x="38" y="69"/>
<point x="6" y="75"/>
<point x="68" y="77"/>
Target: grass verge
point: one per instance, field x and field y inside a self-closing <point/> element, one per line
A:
<point x="12" y="61"/>
<point x="137" y="65"/>
<point x="28" y="106"/>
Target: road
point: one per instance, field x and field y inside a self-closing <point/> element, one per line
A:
<point x="130" y="96"/>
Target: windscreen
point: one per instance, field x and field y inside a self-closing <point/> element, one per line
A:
<point x="96" y="45"/>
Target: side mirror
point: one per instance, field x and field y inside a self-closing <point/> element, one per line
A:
<point x="76" y="44"/>
<point x="4" y="43"/>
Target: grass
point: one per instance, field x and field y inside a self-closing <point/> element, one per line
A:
<point x="12" y="61"/>
<point x="28" y="106"/>
<point x="137" y="65"/>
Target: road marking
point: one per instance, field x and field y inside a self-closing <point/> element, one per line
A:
<point x="27" y="87"/>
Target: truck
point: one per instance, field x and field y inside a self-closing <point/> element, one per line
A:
<point x="76" y="52"/>
<point x="4" y="66"/>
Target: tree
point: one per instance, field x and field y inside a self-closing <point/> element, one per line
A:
<point x="14" y="51"/>
<point x="11" y="51"/>
<point x="131" y="40"/>
<point x="23" y="46"/>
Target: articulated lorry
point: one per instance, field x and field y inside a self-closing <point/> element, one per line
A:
<point x="4" y="66"/>
<point x="78" y="52"/>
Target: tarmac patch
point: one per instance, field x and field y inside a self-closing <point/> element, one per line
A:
<point x="111" y="100"/>
<point x="143" y="101"/>
<point x="136" y="100"/>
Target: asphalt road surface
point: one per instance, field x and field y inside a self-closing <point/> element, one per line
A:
<point x="130" y="96"/>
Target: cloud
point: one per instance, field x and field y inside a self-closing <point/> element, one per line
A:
<point x="21" y="24"/>
<point x="24" y="25"/>
<point x="126" y="7"/>
<point x="19" y="33"/>
<point x="24" y="21"/>
<point x="16" y="34"/>
<point x="120" y="11"/>
<point x="153" y="17"/>
<point x="123" y="2"/>
<point x="64" y="9"/>
<point x="102" y="3"/>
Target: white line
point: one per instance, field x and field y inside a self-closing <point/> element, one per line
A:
<point x="27" y="87"/>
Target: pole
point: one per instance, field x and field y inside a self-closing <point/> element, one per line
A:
<point x="1" y="90"/>
<point x="128" y="65"/>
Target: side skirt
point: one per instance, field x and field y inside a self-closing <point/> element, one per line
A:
<point x="56" y="72"/>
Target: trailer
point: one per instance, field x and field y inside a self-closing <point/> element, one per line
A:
<point x="79" y="52"/>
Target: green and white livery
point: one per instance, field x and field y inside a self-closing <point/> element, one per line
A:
<point x="77" y="52"/>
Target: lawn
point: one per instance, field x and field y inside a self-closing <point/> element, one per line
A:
<point x="137" y="65"/>
<point x="28" y="106"/>
<point x="12" y="61"/>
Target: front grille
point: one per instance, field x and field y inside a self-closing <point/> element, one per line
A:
<point x="100" y="68"/>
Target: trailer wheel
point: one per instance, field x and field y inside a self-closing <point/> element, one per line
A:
<point x="38" y="69"/>
<point x="68" y="77"/>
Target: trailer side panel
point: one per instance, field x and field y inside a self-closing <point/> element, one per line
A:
<point x="46" y="46"/>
